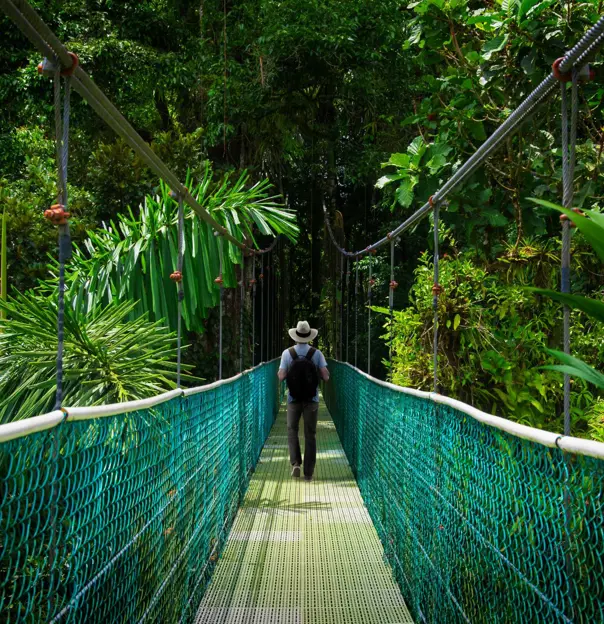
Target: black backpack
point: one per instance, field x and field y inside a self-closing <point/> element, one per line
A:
<point x="302" y="378"/>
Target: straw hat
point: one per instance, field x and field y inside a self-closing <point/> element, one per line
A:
<point x="303" y="332"/>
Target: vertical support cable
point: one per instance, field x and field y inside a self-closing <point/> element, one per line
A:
<point x="180" y="289"/>
<point x="393" y="285"/>
<point x="59" y="215"/>
<point x="261" y="277"/>
<point x="62" y="145"/>
<point x="253" y="285"/>
<point x="341" y="352"/>
<point x="347" y="306"/>
<point x="220" y="282"/>
<point x="269" y="307"/>
<point x="436" y="290"/>
<point x="241" y="310"/>
<point x="568" y="169"/>
<point x="356" y="314"/>
<point x="369" y="293"/>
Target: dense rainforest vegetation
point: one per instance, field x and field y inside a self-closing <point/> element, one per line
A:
<point x="364" y="107"/>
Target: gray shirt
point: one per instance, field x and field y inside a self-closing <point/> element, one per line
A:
<point x="318" y="359"/>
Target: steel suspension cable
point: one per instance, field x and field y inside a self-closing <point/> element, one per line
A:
<point x="220" y="281"/>
<point x="347" y="307"/>
<point x="262" y="289"/>
<point x="436" y="291"/>
<point x="241" y="310"/>
<point x="574" y="58"/>
<point x="393" y="286"/>
<point x="370" y="284"/>
<point x="341" y="351"/>
<point x="356" y="315"/>
<point x="253" y="285"/>
<point x="568" y="168"/>
<point x="177" y="277"/>
<point x="59" y="215"/>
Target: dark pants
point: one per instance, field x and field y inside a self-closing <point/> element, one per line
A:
<point x="310" y="412"/>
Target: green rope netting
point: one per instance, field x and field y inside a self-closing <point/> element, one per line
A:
<point x="126" y="523"/>
<point x="479" y="525"/>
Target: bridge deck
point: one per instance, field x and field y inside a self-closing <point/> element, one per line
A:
<point x="303" y="553"/>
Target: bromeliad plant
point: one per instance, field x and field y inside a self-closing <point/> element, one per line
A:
<point x="132" y="260"/>
<point x="108" y="358"/>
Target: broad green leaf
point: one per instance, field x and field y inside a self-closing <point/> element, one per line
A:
<point x="592" y="228"/>
<point x="494" y="45"/>
<point x="592" y="307"/>
<point x="525" y="6"/>
<point x="456" y="321"/>
<point x="391" y="177"/>
<point x="417" y="147"/>
<point x="576" y="368"/>
<point x="404" y="193"/>
<point x="399" y="160"/>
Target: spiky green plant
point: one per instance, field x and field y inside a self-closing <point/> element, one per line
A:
<point x="133" y="258"/>
<point x="591" y="225"/>
<point x="108" y="358"/>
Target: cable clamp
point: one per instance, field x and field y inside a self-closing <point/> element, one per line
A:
<point x="219" y="280"/>
<point x="393" y="285"/>
<point x="564" y="218"/>
<point x="261" y="276"/>
<point x="372" y="282"/>
<point x="252" y="282"/>
<point x="176" y="276"/>
<point x="437" y="290"/>
<point x="57" y="214"/>
<point x="75" y="61"/>
<point x="585" y="74"/>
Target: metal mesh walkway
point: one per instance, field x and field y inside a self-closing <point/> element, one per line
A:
<point x="303" y="553"/>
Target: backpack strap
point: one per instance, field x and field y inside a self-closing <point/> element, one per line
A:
<point x="311" y="353"/>
<point x="293" y="353"/>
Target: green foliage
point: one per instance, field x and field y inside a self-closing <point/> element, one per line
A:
<point x="593" y="230"/>
<point x="132" y="259"/>
<point x="474" y="66"/>
<point x="108" y="358"/>
<point x="493" y="336"/>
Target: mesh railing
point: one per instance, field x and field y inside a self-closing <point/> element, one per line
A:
<point x="480" y="525"/>
<point x="120" y="519"/>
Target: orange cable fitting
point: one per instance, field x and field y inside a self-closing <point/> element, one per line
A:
<point x="252" y="282"/>
<point x="57" y="215"/>
<point x="372" y="282"/>
<point x="219" y="280"/>
<point x="558" y="75"/>
<point x="393" y="285"/>
<point x="176" y="276"/>
<point x="437" y="289"/>
<point x="68" y="71"/>
<point x="261" y="276"/>
<point x="564" y="217"/>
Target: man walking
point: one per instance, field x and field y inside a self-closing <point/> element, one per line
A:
<point x="301" y="366"/>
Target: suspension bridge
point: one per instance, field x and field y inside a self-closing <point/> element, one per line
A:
<point x="180" y="508"/>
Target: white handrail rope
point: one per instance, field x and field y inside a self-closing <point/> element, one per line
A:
<point x="576" y="446"/>
<point x="574" y="58"/>
<point x="36" y="424"/>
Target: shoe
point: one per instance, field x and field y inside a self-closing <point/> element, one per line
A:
<point x="296" y="471"/>
<point x="307" y="478"/>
